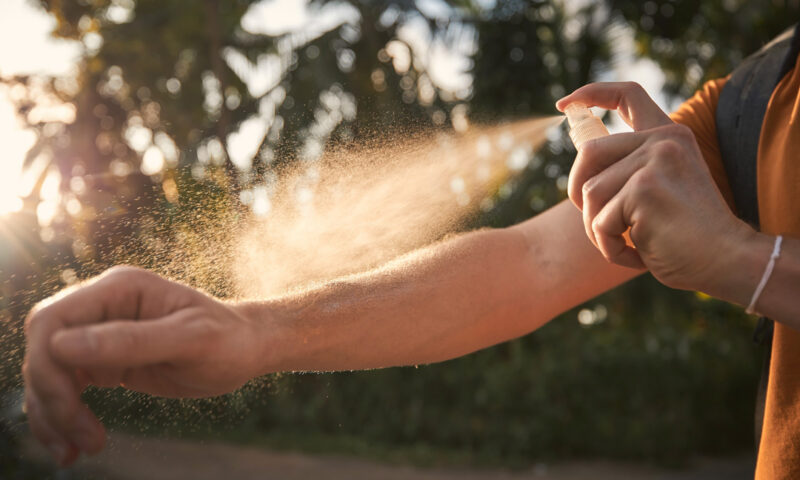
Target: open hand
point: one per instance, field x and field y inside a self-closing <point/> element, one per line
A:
<point x="654" y="182"/>
<point x="132" y="328"/>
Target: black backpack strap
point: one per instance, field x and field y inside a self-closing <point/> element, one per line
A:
<point x="740" y="114"/>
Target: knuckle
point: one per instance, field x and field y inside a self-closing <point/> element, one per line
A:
<point x="123" y="281"/>
<point x="681" y="131"/>
<point x="590" y="150"/>
<point x="590" y="186"/>
<point x="205" y="327"/>
<point x="642" y="182"/>
<point x="598" y="224"/>
<point x="204" y="331"/>
<point x="633" y="87"/>
<point x="667" y="149"/>
<point x="643" y="178"/>
<point x="676" y="132"/>
<point x="589" y="190"/>
<point x="37" y="317"/>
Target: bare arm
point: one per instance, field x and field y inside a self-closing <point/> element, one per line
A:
<point x="441" y="302"/>
<point x="132" y="328"/>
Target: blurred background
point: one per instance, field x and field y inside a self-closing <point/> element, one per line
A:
<point x="131" y="128"/>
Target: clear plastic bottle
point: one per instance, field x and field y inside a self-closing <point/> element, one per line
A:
<point x="583" y="124"/>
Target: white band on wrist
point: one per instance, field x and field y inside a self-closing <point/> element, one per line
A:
<point x="776" y="252"/>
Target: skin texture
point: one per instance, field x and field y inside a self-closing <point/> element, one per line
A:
<point x="130" y="327"/>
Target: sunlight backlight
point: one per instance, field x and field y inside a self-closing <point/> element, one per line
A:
<point x="16" y="143"/>
<point x="21" y="23"/>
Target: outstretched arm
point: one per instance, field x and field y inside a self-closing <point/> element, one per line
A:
<point x="130" y="327"/>
<point x="441" y="302"/>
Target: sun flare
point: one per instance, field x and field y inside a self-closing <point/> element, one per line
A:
<point x="14" y="142"/>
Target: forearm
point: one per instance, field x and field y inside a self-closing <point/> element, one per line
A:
<point x="744" y="268"/>
<point x="437" y="303"/>
<point x="444" y="301"/>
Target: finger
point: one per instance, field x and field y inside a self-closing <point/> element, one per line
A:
<point x="117" y="293"/>
<point x="60" y="415"/>
<point x="120" y="344"/>
<point x="609" y="226"/>
<point x="600" y="189"/>
<point x="53" y="386"/>
<point x="56" y="387"/>
<point x="88" y="434"/>
<point x="60" y="449"/>
<point x="56" y="393"/>
<point x="597" y="155"/>
<point x="632" y="102"/>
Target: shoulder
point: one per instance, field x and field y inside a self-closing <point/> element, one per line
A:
<point x="699" y="114"/>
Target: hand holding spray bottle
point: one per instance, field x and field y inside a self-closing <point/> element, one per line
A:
<point x="585" y="126"/>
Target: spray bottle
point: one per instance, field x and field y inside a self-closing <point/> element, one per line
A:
<point x="583" y="124"/>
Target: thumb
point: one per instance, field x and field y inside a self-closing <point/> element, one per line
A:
<point x="120" y="343"/>
<point x="632" y="102"/>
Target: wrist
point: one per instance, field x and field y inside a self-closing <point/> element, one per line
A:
<point x="742" y="260"/>
<point x="270" y="335"/>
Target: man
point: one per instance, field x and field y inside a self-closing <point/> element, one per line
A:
<point x="130" y="327"/>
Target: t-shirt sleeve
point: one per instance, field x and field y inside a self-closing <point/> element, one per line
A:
<point x="699" y="114"/>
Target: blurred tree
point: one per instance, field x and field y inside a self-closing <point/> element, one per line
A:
<point x="167" y="86"/>
<point x="694" y="42"/>
<point x="529" y="54"/>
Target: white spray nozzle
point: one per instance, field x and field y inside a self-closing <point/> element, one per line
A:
<point x="583" y="125"/>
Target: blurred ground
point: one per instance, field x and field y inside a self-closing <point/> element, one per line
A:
<point x="134" y="458"/>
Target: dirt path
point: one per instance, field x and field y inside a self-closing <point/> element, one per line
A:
<point x="134" y="458"/>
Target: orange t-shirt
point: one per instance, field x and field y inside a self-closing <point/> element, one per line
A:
<point x="778" y="171"/>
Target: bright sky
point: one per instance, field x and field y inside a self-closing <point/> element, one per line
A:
<point x="28" y="48"/>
